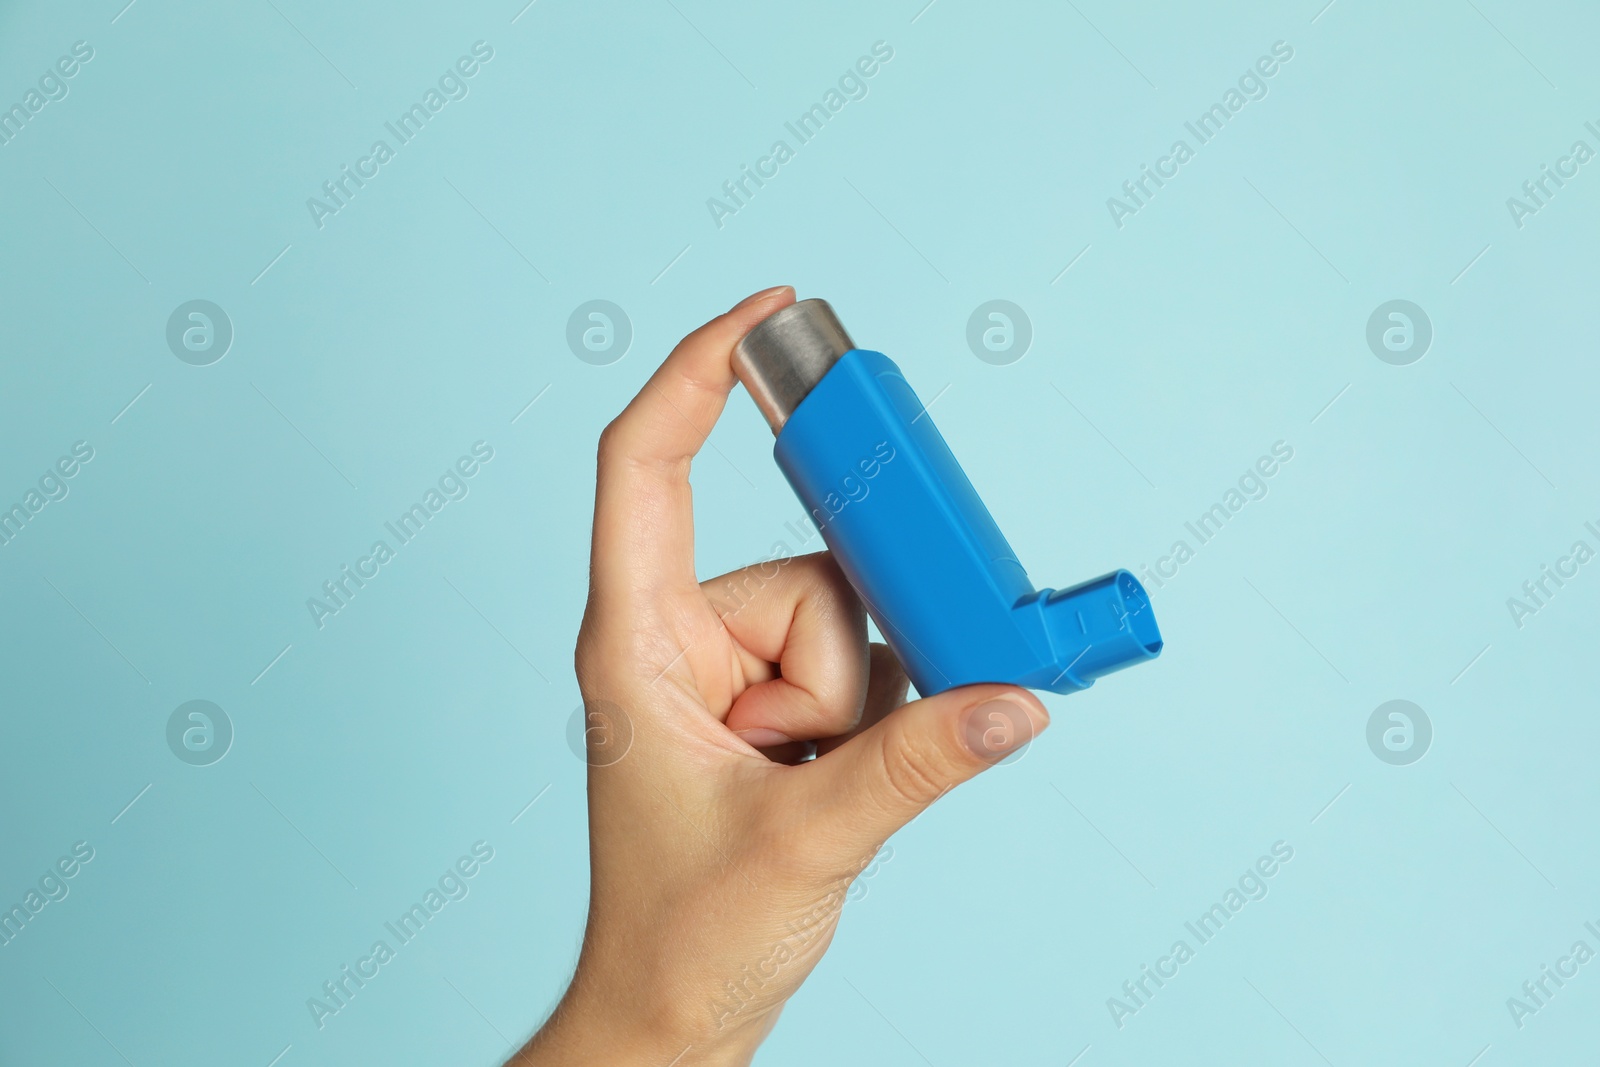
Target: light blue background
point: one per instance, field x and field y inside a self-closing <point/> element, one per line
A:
<point x="1221" y="318"/>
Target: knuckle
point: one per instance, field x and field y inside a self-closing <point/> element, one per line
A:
<point x="591" y="666"/>
<point x="611" y="439"/>
<point x="915" y="773"/>
<point x="833" y="711"/>
<point x="885" y="665"/>
<point x="585" y="661"/>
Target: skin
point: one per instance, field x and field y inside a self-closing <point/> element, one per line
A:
<point x="719" y="857"/>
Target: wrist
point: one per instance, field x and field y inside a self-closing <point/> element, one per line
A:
<point x="591" y="1025"/>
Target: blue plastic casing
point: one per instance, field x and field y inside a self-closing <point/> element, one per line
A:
<point x="909" y="531"/>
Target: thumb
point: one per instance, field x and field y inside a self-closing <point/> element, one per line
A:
<point x="887" y="775"/>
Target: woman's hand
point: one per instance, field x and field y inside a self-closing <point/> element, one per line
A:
<point x="719" y="859"/>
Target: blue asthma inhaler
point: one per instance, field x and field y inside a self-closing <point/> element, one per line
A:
<point x="907" y="528"/>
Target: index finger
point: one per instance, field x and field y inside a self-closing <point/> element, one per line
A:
<point x="643" y="515"/>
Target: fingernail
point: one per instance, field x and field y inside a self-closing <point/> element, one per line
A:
<point x="762" y="737"/>
<point x="997" y="728"/>
<point x="753" y="297"/>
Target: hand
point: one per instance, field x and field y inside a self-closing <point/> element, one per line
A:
<point x="719" y="857"/>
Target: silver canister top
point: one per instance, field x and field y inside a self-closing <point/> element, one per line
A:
<point x="786" y="355"/>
